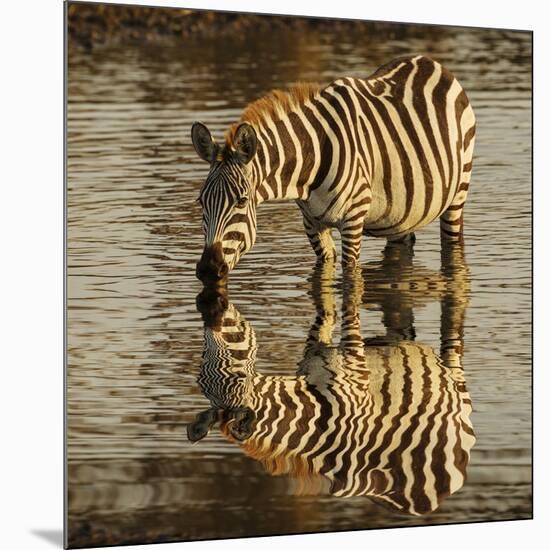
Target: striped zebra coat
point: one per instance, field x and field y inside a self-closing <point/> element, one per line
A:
<point x="383" y="156"/>
<point x="389" y="421"/>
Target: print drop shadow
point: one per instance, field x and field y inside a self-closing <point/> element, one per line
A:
<point x="53" y="536"/>
<point x="388" y="370"/>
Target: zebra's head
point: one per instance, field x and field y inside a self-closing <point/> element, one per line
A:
<point x="228" y="200"/>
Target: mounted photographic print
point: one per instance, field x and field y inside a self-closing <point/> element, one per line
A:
<point x="298" y="274"/>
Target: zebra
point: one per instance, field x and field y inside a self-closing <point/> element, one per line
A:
<point x="381" y="156"/>
<point x="389" y="420"/>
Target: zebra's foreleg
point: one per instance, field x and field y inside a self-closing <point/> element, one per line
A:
<point x="352" y="232"/>
<point x="321" y="240"/>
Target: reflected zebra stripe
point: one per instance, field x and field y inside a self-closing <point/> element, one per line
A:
<point x="391" y="422"/>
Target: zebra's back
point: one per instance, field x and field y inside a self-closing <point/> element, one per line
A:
<point x="414" y="137"/>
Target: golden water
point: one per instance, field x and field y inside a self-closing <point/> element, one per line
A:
<point x="135" y="337"/>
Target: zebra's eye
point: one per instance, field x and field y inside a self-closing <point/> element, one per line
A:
<point x="241" y="203"/>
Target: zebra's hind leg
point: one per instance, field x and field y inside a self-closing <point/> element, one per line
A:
<point x="452" y="220"/>
<point x="320" y="239"/>
<point x="452" y="224"/>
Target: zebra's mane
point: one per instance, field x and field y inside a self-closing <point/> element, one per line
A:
<point x="277" y="462"/>
<point x="274" y="106"/>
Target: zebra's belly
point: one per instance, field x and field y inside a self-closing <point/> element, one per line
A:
<point x="406" y="209"/>
<point x="394" y="211"/>
<point x="323" y="208"/>
<point x="390" y="227"/>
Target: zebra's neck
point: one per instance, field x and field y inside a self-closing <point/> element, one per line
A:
<point x="284" y="165"/>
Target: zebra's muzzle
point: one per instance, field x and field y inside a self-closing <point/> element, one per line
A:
<point x="212" y="268"/>
<point x="212" y="303"/>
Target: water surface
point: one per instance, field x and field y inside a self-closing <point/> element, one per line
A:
<point x="135" y="337"/>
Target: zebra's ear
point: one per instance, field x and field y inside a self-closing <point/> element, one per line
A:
<point x="245" y="142"/>
<point x="200" y="427"/>
<point x="204" y="143"/>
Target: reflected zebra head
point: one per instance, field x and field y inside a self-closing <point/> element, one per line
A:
<point x="237" y="422"/>
<point x="228" y="200"/>
<point x="227" y="371"/>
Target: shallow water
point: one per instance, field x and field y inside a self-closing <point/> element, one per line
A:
<point x="135" y="337"/>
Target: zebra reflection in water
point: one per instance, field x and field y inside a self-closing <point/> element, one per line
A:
<point x="385" y="417"/>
